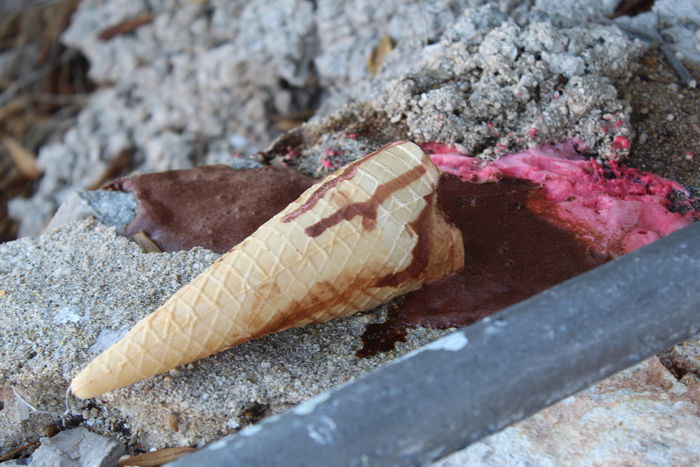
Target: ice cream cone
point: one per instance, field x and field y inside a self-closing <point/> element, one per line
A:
<point x="362" y="236"/>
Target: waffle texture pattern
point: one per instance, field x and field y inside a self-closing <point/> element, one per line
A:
<point x="362" y="236"/>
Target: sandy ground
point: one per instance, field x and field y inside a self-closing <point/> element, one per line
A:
<point x="666" y="118"/>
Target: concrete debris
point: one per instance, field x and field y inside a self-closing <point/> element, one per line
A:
<point x="18" y="422"/>
<point x="518" y="87"/>
<point x="678" y="22"/>
<point x="112" y="208"/>
<point x="684" y="360"/>
<point x="76" y="447"/>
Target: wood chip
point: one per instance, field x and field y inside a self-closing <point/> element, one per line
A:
<point x="13" y="106"/>
<point x="50" y="430"/>
<point x="380" y="52"/>
<point x="292" y="120"/>
<point x="24" y="160"/>
<point x="18" y="453"/>
<point x="145" y="242"/>
<point x="152" y="459"/>
<point x="173" y="421"/>
<point x="125" y="27"/>
<point x="3" y="293"/>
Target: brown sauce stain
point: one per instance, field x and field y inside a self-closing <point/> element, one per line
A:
<point x="420" y="252"/>
<point x="343" y="290"/>
<point x="381" y="337"/>
<point x="214" y="207"/>
<point x="367" y="209"/>
<point x="511" y="253"/>
<point x="347" y="173"/>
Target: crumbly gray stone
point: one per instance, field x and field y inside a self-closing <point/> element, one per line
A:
<point x="570" y="12"/>
<point x="348" y="31"/>
<point x="77" y="447"/>
<point x="684" y="359"/>
<point x="517" y="87"/>
<point x="18" y="421"/>
<point x="71" y="292"/>
<point x="111" y="208"/>
<point x="678" y="21"/>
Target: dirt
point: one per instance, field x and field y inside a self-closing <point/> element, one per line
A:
<point x="666" y="118"/>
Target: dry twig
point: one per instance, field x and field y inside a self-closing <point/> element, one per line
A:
<point x="117" y="165"/>
<point x="125" y="27"/>
<point x="379" y="53"/>
<point x="34" y="77"/>
<point x="16" y="453"/>
<point x="23" y="158"/>
<point x="145" y="242"/>
<point x="160" y="457"/>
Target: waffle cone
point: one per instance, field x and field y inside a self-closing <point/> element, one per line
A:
<point x="364" y="235"/>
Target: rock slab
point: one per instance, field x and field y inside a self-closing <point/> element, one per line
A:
<point x="640" y="416"/>
<point x="77" y="447"/>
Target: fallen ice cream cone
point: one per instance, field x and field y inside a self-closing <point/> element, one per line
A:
<point x="365" y="234"/>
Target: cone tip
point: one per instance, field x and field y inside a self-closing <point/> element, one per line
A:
<point x="82" y="387"/>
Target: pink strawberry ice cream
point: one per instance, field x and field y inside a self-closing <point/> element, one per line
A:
<point x="615" y="209"/>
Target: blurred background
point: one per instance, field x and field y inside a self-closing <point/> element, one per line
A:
<point x="43" y="86"/>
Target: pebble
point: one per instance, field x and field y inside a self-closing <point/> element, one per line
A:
<point x="76" y="447"/>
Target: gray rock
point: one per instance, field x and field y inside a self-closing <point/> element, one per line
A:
<point x="517" y="87"/>
<point x="641" y="416"/>
<point x="571" y="12"/>
<point x="77" y="447"/>
<point x="70" y="292"/>
<point x="18" y="422"/>
<point x="679" y="23"/>
<point x="112" y="208"/>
